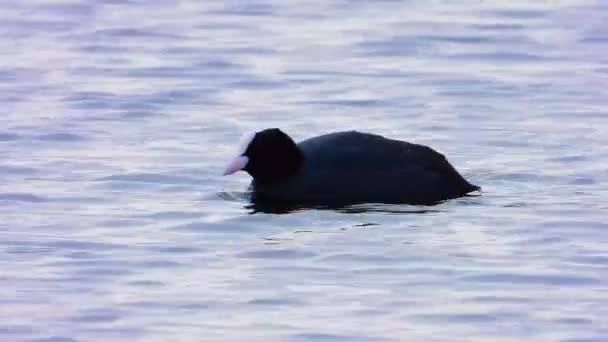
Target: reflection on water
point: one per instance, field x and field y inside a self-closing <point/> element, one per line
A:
<point x="277" y="207"/>
<point x="117" y="118"/>
<point x="256" y="205"/>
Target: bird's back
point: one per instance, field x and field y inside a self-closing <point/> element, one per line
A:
<point x="353" y="167"/>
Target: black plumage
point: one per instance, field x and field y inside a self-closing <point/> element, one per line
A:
<point x="349" y="168"/>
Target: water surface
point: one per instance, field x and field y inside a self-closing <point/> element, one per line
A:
<point x="117" y="118"/>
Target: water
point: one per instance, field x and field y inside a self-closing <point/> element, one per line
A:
<point x="118" y="117"/>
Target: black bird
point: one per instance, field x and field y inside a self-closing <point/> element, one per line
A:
<point x="346" y="168"/>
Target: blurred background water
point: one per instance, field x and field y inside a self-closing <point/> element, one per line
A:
<point x="117" y="118"/>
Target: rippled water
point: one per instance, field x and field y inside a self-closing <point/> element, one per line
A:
<point x="117" y="118"/>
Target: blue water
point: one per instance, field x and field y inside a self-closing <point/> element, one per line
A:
<point x="117" y="118"/>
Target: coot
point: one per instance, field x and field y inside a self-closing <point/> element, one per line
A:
<point x="346" y="168"/>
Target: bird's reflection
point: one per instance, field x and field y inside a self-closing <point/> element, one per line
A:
<point x="260" y="205"/>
